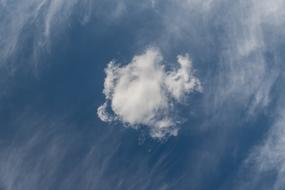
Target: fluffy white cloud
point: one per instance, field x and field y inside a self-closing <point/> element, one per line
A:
<point x="144" y="93"/>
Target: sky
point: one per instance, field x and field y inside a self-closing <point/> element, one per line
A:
<point x="142" y="95"/>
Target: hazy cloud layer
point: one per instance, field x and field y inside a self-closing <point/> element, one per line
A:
<point x="19" y="19"/>
<point x="264" y="167"/>
<point x="145" y="93"/>
<point x="237" y="46"/>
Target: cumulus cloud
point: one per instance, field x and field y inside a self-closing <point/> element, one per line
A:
<point x="144" y="93"/>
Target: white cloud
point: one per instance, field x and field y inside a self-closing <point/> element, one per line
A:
<point x="144" y="93"/>
<point x="103" y="114"/>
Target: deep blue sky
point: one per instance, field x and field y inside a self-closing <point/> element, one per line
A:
<point x="52" y="60"/>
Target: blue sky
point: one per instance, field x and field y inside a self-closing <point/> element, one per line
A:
<point x="153" y="94"/>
